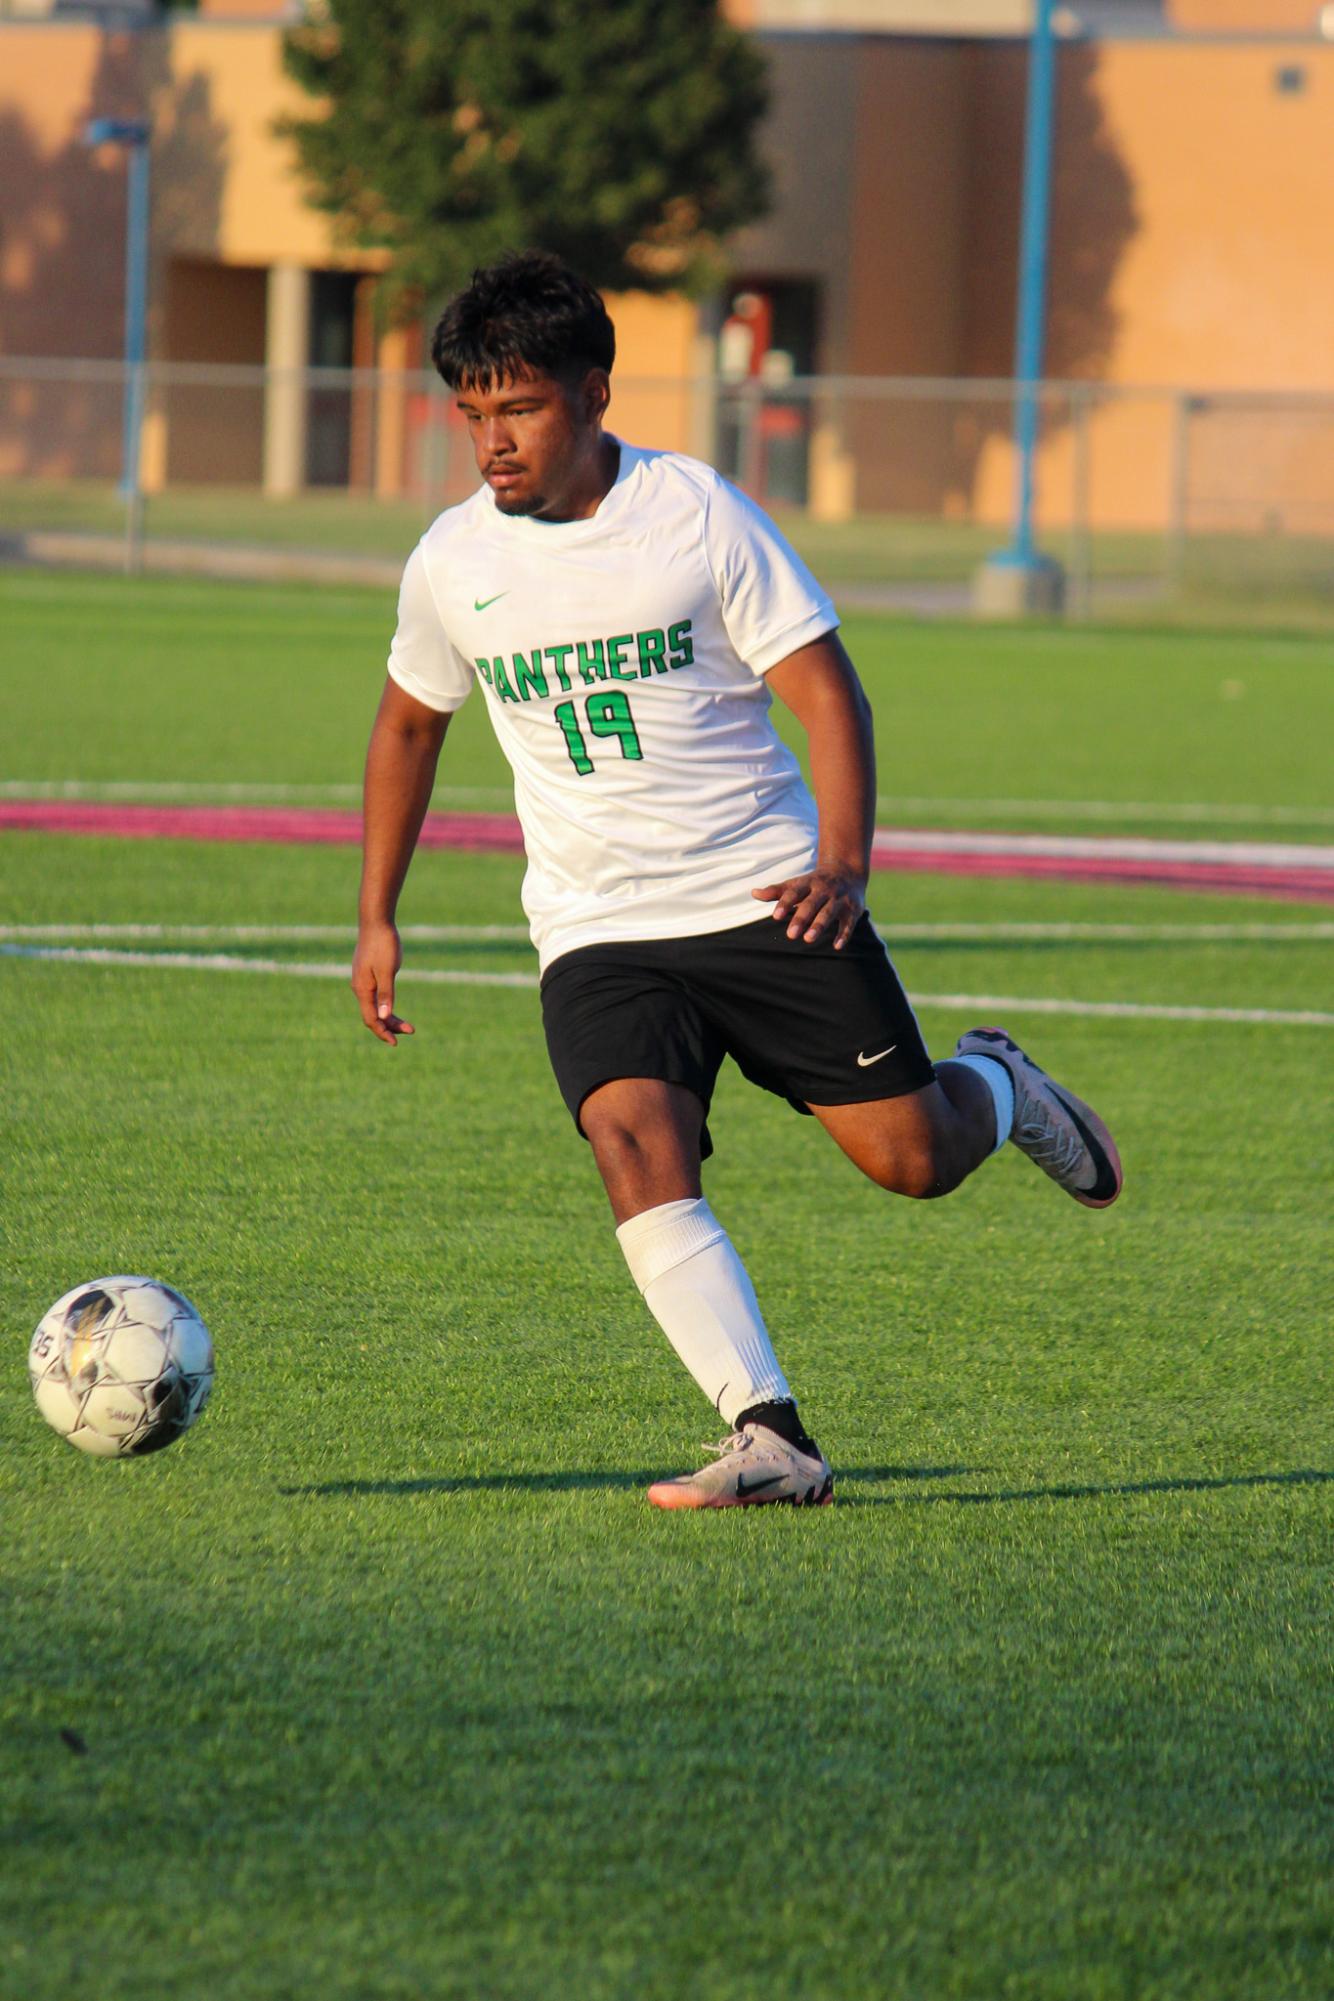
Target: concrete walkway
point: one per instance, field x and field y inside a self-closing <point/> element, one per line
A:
<point x="247" y="562"/>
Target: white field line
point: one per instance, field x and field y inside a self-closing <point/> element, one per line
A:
<point x="272" y="934"/>
<point x="312" y="969"/>
<point x="1125" y="1010"/>
<point x="224" y="962"/>
<point x="459" y="934"/>
<point x="1100" y="847"/>
<point x="1077" y="933"/>
<point x="1187" y="811"/>
<point x="256" y="793"/>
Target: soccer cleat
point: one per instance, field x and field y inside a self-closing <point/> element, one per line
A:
<point x="754" y="1468"/>
<point x="1057" y="1130"/>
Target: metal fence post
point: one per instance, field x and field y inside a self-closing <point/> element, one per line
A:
<point x="136" y="389"/>
<point x="1081" y="540"/>
<point x="750" y="455"/>
<point x="436" y="455"/>
<point x="373" y="430"/>
<point x="1178" y="504"/>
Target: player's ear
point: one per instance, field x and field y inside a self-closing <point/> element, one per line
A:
<point x="595" y="395"/>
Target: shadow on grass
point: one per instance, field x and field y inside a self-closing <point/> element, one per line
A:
<point x="573" y="1481"/>
<point x="1305" y="1476"/>
<point x="480" y="1483"/>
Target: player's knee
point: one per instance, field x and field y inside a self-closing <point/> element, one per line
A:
<point x="616" y="1145"/>
<point x="632" y="1159"/>
<point x="920" y="1178"/>
<point x="921" y="1172"/>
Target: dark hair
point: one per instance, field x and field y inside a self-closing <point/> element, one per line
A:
<point x="528" y="315"/>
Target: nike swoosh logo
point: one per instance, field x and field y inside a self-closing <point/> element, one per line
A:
<point x="1104" y="1183"/>
<point x="755" y="1486"/>
<point x="480" y="604"/>
<point x="865" y="1062"/>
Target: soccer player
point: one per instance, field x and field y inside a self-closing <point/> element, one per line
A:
<point x="629" y="617"/>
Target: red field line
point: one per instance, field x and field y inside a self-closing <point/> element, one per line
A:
<point x="1288" y="884"/>
<point x="322" y="826"/>
<point x="499" y="833"/>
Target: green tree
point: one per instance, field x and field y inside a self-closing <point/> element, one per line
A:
<point x="620" y="134"/>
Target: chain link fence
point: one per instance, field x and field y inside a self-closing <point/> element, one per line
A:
<point x="1155" y="502"/>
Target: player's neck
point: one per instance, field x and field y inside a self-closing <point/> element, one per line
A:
<point x="593" y="485"/>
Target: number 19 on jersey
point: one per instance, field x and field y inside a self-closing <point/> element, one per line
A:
<point x="606" y="716"/>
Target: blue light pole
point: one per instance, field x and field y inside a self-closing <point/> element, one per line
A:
<point x="133" y="135"/>
<point x="1019" y="578"/>
<point x="1030" y="327"/>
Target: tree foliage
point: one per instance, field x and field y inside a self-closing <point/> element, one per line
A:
<point x="620" y="134"/>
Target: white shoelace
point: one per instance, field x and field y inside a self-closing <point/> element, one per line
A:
<point x="734" y="1442"/>
<point x="1050" y="1145"/>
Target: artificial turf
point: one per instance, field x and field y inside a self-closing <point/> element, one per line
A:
<point x="392" y="1686"/>
<point x="188" y="683"/>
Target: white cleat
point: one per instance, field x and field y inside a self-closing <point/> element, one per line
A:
<point x="1058" y="1131"/>
<point x="754" y="1468"/>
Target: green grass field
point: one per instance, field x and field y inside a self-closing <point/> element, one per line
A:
<point x="161" y="684"/>
<point x="392" y="1686"/>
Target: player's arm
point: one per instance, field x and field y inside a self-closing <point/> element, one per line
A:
<point x="819" y="684"/>
<point x="400" y="771"/>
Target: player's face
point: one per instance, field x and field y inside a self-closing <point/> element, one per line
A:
<point x="538" y="442"/>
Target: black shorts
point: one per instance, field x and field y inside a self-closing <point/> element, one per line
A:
<point x="815" y="1026"/>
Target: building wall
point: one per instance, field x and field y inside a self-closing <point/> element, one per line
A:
<point x="658" y="354"/>
<point x="62" y="231"/>
<point x="1192" y="211"/>
<point x="909" y="223"/>
<point x="225" y="199"/>
<point x="809" y="142"/>
<point x="61" y="255"/>
<point x="1246" y="17"/>
<point x="1193" y="203"/>
<point x="260" y="215"/>
<point x="1193" y="208"/>
<point x="245" y="10"/>
<point x="887" y="17"/>
<point x="909" y="208"/>
<point x="197" y="432"/>
<point x="1226" y="279"/>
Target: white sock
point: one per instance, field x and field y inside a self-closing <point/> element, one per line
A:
<point x="1001" y="1086"/>
<point x="698" y="1291"/>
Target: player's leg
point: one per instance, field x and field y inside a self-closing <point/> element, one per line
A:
<point x="925" y="1142"/>
<point x="646" y="1139"/>
<point x="622" y="1035"/>
<point x="1058" y="1131"/>
<point x="834" y="1033"/>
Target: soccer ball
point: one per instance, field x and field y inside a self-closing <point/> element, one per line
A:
<point x="121" y="1366"/>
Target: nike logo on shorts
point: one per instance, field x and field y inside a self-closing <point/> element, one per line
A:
<point x="865" y="1062"/>
<point x="480" y="604"/>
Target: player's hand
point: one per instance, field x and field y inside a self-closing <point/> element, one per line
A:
<point x="813" y="905"/>
<point x="377" y="959"/>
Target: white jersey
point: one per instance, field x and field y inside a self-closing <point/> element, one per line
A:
<point x="622" y="660"/>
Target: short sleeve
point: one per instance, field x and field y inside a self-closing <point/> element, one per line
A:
<point x="771" y="603"/>
<point x="423" y="659"/>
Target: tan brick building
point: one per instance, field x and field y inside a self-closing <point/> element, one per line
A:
<point x="1192" y="217"/>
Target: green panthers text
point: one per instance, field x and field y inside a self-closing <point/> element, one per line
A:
<point x="627" y="656"/>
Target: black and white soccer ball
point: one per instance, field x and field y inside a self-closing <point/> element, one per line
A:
<point x="121" y="1366"/>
